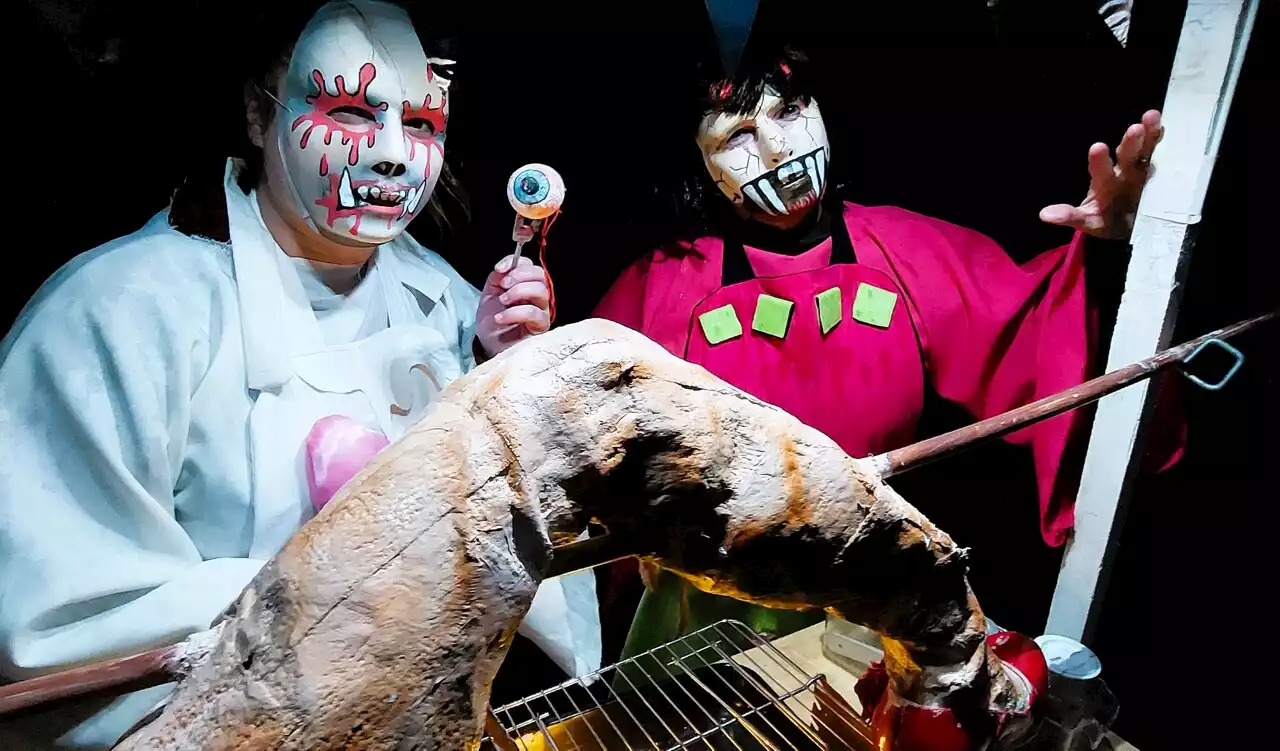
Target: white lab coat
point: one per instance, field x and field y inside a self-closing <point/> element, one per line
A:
<point x="154" y="399"/>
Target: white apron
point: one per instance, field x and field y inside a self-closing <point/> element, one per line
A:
<point x="388" y="378"/>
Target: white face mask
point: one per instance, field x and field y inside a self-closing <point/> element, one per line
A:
<point x="362" y="131"/>
<point x="772" y="159"/>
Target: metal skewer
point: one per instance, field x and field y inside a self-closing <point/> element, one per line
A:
<point x="156" y="666"/>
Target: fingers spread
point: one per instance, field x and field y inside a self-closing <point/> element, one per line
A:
<point x="1154" y="133"/>
<point x="1063" y="214"/>
<point x="1151" y="120"/>
<point x="1102" y="171"/>
<point x="1129" y="154"/>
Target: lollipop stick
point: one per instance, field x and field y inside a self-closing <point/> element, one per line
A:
<point x="522" y="233"/>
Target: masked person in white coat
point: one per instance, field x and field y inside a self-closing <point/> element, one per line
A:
<point x="157" y="394"/>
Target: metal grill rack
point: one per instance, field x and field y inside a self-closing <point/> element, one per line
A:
<point x="722" y="687"/>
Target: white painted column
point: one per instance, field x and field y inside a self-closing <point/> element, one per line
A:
<point x="1205" y="68"/>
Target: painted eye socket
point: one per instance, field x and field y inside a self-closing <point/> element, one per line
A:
<point x="789" y="112"/>
<point x="531" y="187"/>
<point x="351" y="115"/>
<point x="422" y="125"/>
<point x="740" y="137"/>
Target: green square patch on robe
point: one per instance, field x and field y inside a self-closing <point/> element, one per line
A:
<point x="829" y="309"/>
<point x="720" y="325"/>
<point x="874" y="306"/>
<point x="773" y="314"/>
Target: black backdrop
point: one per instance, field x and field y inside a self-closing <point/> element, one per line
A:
<point x="972" y="114"/>
<point x="975" y="115"/>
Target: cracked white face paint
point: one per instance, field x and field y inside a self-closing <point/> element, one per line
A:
<point x="771" y="160"/>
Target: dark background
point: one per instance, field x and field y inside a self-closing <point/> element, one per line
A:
<point x="972" y="114"/>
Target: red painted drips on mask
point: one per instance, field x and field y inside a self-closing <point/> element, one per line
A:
<point x="323" y="103"/>
<point x="435" y="113"/>
<point x="432" y="144"/>
<point x="324" y="164"/>
<point x="329" y="201"/>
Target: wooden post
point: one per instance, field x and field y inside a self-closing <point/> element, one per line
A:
<point x="1205" y="68"/>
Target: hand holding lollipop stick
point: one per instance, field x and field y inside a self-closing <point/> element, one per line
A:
<point x="536" y="192"/>
<point x="518" y="299"/>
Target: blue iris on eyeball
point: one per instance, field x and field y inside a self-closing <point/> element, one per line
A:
<point x="531" y="187"/>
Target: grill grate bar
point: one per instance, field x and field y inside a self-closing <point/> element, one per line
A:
<point x="722" y="687"/>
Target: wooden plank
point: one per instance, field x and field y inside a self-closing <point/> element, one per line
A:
<point x="1206" y="66"/>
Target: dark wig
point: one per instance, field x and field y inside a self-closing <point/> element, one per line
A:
<point x="786" y="73"/>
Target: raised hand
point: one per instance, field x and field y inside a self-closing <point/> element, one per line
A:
<point x="1109" y="208"/>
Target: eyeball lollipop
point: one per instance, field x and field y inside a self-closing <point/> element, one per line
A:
<point x="535" y="191"/>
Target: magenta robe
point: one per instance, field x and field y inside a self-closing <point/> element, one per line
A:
<point x="993" y="335"/>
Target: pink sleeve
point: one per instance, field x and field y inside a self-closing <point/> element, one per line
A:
<point x="624" y="302"/>
<point x="657" y="295"/>
<point x="997" y="335"/>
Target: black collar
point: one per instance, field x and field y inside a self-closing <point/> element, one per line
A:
<point x="829" y="223"/>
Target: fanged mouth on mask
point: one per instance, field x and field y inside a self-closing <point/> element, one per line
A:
<point x="792" y="186"/>
<point x="355" y="198"/>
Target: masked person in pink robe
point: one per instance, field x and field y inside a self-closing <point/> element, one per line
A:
<point x="846" y="315"/>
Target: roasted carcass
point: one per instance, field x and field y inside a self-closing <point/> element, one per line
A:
<point x="381" y="625"/>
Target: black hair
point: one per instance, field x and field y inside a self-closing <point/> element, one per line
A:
<point x="785" y="73"/>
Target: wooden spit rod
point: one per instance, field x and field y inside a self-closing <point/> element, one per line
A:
<point x="122" y="675"/>
<point x="597" y="551"/>
<point x="160" y="665"/>
<point x="940" y="447"/>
